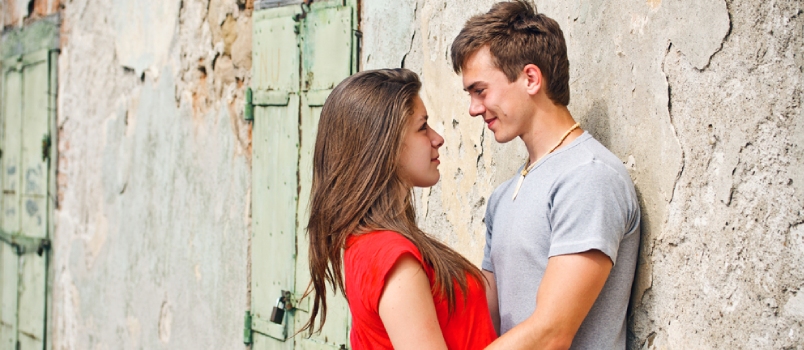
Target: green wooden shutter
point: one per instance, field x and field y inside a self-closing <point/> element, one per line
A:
<point x="275" y="84"/>
<point x="318" y="41"/>
<point x="27" y="114"/>
<point x="327" y="36"/>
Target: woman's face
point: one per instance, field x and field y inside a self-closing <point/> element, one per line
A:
<point x="418" y="164"/>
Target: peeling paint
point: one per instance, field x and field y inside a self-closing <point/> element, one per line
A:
<point x="31" y="208"/>
<point x="688" y="20"/>
<point x="165" y="322"/>
<point x="229" y="33"/>
<point x="153" y="177"/>
<point x="134" y="332"/>
<point x="144" y="31"/>
<point x="241" y="47"/>
<point x="397" y="18"/>
<point x="33" y="177"/>
<point x="97" y="240"/>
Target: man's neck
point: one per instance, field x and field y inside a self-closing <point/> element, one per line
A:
<point x="550" y="123"/>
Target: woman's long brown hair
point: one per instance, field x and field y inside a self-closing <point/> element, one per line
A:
<point x="356" y="188"/>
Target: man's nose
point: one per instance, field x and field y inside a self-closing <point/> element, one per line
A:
<point x="476" y="108"/>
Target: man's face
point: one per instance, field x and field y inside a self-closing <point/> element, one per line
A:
<point x="505" y="106"/>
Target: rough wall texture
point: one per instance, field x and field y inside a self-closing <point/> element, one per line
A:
<point x="701" y="100"/>
<point x="15" y="13"/>
<point x="151" y="241"/>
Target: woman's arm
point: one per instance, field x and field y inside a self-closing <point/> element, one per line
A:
<point x="406" y="307"/>
<point x="491" y="299"/>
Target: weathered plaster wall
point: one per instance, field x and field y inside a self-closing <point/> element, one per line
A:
<point x="151" y="241"/>
<point x="17" y="12"/>
<point x="701" y="100"/>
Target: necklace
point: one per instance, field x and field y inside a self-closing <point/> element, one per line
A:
<point x="526" y="169"/>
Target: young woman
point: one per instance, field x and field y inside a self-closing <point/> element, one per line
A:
<point x="405" y="289"/>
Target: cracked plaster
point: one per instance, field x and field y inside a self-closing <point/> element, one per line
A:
<point x="702" y="102"/>
<point x="153" y="175"/>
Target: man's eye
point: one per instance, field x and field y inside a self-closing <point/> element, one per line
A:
<point x="479" y="91"/>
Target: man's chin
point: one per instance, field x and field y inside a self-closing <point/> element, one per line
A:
<point x="502" y="138"/>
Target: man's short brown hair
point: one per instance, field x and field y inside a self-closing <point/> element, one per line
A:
<point x="517" y="36"/>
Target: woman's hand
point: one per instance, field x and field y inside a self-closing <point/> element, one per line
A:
<point x="406" y="307"/>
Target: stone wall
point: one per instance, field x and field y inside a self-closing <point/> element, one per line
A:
<point x="151" y="243"/>
<point x="701" y="100"/>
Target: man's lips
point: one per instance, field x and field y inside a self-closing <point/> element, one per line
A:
<point x="490" y="121"/>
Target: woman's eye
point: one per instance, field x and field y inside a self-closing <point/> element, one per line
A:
<point x="424" y="127"/>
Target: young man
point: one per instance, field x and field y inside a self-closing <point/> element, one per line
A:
<point x="563" y="234"/>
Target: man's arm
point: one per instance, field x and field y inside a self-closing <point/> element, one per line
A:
<point x="491" y="298"/>
<point x="569" y="288"/>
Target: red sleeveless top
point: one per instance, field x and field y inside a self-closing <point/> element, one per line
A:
<point x="367" y="260"/>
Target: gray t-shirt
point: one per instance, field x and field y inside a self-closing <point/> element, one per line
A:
<point x="577" y="199"/>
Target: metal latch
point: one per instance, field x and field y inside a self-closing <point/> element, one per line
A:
<point x="23" y="245"/>
<point x="268" y="327"/>
<point x="264" y="98"/>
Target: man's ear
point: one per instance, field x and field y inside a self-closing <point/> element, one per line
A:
<point x="533" y="78"/>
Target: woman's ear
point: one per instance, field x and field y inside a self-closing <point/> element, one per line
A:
<point x="533" y="78"/>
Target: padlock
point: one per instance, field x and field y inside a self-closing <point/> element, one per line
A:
<point x="278" y="314"/>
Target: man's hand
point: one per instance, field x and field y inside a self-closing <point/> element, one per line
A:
<point x="569" y="288"/>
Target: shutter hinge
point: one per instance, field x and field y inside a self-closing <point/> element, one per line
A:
<point x="248" y="113"/>
<point x="276" y="98"/>
<point x="256" y="324"/>
<point x="45" y="147"/>
<point x="22" y="244"/>
<point x="247" y="338"/>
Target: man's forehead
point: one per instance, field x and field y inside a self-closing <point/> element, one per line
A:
<point x="479" y="67"/>
<point x="476" y="62"/>
<point x="478" y="74"/>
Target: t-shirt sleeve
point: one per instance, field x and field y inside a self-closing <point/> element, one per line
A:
<point x="489" y="218"/>
<point x="591" y="208"/>
<point x="375" y="255"/>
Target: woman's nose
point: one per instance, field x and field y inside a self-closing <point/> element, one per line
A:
<point x="436" y="140"/>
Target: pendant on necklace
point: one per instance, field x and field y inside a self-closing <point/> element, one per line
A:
<point x="519" y="184"/>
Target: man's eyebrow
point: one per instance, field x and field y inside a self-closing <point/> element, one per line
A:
<point x="471" y="87"/>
